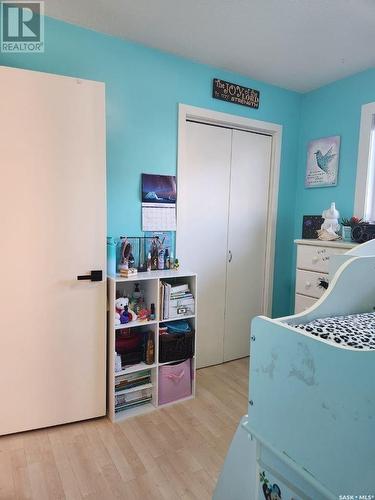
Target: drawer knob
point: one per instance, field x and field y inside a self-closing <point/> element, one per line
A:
<point x="308" y="284"/>
<point x="315" y="260"/>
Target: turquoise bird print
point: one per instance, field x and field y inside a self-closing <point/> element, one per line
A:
<point x="323" y="161"/>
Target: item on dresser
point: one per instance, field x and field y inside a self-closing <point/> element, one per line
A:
<point x="310" y="226"/>
<point x="347" y="226"/>
<point x="363" y="232"/>
<point x="330" y="226"/>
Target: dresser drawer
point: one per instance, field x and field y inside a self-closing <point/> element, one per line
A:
<point x="303" y="302"/>
<point x="307" y="283"/>
<point x="316" y="258"/>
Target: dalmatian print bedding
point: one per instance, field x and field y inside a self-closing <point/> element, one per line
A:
<point x="355" y="330"/>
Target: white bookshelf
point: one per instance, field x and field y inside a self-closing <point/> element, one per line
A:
<point x="150" y="283"/>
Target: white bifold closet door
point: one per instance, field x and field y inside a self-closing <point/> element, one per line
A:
<point x="221" y="234"/>
<point x="247" y="230"/>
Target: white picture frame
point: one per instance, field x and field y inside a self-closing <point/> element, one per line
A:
<point x="322" y="162"/>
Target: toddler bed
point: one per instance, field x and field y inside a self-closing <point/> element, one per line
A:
<point x="310" y="428"/>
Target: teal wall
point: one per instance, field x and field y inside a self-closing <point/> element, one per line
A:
<point x="334" y="109"/>
<point x="143" y="89"/>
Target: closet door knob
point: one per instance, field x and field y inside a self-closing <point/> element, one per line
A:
<point x="230" y="256"/>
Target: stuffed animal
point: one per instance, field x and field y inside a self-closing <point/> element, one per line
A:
<point x="123" y="314"/>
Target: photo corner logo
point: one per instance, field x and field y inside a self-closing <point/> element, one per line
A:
<point x="22" y="27"/>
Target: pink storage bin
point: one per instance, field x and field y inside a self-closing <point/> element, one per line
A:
<point x="174" y="382"/>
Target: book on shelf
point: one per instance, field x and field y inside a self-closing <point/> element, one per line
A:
<point x="120" y="386"/>
<point x="131" y="380"/>
<point x="176" y="300"/>
<point x="127" y="400"/>
<point x="132" y="405"/>
<point x="161" y="295"/>
<point x="181" y="295"/>
<point x="180" y="288"/>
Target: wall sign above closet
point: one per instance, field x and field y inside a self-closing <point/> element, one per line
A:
<point x="231" y="92"/>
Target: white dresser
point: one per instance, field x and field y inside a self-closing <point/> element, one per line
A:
<point x="312" y="268"/>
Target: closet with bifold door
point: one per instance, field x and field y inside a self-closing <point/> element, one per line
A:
<point x="223" y="203"/>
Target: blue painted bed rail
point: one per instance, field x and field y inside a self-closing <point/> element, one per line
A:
<point x="311" y="413"/>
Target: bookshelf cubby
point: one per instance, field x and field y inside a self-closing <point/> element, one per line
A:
<point x="150" y="284"/>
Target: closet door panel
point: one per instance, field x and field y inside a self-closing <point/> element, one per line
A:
<point x="203" y="198"/>
<point x="248" y="208"/>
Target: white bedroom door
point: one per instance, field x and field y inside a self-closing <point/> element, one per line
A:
<point x="221" y="233"/>
<point x="247" y="233"/>
<point x="53" y="227"/>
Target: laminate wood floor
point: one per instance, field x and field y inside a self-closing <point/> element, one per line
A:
<point x="172" y="453"/>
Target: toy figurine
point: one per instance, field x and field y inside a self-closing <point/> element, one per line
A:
<point x="330" y="226"/>
<point x="123" y="314"/>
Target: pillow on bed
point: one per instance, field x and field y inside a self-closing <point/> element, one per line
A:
<point x="354" y="330"/>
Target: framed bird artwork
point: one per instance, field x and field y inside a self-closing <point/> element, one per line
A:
<point x="322" y="162"/>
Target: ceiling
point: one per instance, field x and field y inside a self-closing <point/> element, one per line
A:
<point x="296" y="44"/>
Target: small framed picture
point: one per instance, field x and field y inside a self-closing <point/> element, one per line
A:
<point x="310" y="226"/>
<point x="322" y="162"/>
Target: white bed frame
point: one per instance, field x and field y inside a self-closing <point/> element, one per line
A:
<point x="311" y="419"/>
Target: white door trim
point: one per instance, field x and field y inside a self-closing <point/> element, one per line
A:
<point x="203" y="115"/>
<point x="362" y="201"/>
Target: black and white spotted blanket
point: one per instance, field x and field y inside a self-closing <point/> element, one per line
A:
<point x="355" y="330"/>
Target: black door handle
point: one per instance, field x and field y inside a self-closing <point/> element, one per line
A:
<point x="93" y="276"/>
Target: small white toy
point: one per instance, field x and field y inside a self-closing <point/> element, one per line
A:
<point x="330" y="226"/>
<point x="122" y="306"/>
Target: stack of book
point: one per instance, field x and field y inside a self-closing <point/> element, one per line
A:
<point x="133" y="389"/>
<point x="176" y="301"/>
<point x="125" y="273"/>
